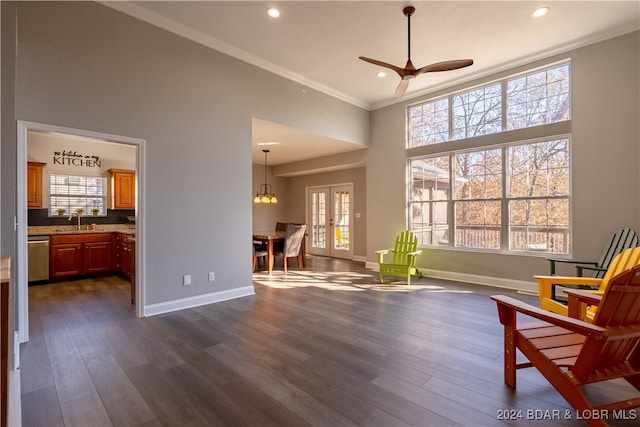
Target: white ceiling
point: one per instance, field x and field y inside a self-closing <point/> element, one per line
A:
<point x="317" y="43"/>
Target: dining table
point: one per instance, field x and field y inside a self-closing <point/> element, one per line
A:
<point x="269" y="239"/>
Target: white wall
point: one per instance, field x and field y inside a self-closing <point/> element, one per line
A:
<point x="76" y="156"/>
<point x="42" y="147"/>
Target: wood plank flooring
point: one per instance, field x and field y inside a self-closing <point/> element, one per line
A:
<point x="325" y="346"/>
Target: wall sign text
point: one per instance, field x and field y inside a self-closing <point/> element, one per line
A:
<point x="73" y="158"/>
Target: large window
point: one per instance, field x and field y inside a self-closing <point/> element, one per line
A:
<point x="512" y="196"/>
<point x="73" y="192"/>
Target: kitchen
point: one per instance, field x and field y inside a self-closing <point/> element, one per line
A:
<point x="81" y="199"/>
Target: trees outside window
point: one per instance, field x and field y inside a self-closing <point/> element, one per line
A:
<point x="512" y="196"/>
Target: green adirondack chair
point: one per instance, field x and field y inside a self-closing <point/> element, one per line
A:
<point x="403" y="258"/>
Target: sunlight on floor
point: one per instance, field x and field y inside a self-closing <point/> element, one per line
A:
<point x="345" y="281"/>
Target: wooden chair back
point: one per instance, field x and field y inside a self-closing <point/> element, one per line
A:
<point x="603" y="355"/>
<point x="621" y="241"/>
<point x="625" y="260"/>
<point x="406" y="242"/>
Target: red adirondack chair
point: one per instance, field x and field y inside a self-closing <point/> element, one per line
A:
<point x="570" y="353"/>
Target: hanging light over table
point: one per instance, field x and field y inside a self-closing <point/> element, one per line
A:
<point x="264" y="195"/>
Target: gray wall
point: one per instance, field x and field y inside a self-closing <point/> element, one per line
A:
<point x="85" y="66"/>
<point x="605" y="155"/>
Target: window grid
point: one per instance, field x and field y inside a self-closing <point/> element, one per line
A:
<point x="73" y="192"/>
<point x="512" y="197"/>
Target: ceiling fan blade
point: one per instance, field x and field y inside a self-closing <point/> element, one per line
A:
<point x="398" y="70"/>
<point x="445" y="66"/>
<point x="402" y="88"/>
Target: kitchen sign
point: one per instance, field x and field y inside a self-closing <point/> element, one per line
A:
<point x="73" y="158"/>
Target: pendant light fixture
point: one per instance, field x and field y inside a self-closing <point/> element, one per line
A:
<point x="264" y="195"/>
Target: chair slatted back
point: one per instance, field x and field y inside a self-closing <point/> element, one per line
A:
<point x="620" y="307"/>
<point x="629" y="258"/>
<point x="405" y="242"/>
<point x="623" y="239"/>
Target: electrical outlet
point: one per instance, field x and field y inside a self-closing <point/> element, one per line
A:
<point x="212" y="276"/>
<point x="186" y="280"/>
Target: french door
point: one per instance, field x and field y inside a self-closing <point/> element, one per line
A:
<point x="330" y="214"/>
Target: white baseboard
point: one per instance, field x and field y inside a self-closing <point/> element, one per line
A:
<point x="528" y="288"/>
<point x="359" y="258"/>
<point x="181" y="304"/>
<point x="15" y="400"/>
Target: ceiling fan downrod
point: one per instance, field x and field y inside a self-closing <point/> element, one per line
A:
<point x="408" y="11"/>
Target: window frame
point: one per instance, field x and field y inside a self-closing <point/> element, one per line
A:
<point x="87" y="211"/>
<point x="503" y="140"/>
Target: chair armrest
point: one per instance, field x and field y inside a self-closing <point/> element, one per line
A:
<point x="552" y="262"/>
<point x="583" y="296"/>
<point x="579" y="300"/>
<point x="569" y="280"/>
<point x="381" y="253"/>
<point x="571" y="261"/>
<point x="507" y="306"/>
<point x="545" y="283"/>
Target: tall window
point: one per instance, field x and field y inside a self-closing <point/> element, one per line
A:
<point x="73" y="192"/>
<point x="512" y="196"/>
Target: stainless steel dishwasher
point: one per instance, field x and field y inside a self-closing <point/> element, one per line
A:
<point x="38" y="258"/>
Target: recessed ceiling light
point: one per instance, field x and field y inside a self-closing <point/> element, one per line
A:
<point x="381" y="74"/>
<point x="268" y="143"/>
<point x="541" y="11"/>
<point x="273" y="12"/>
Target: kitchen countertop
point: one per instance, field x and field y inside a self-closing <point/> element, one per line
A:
<point x="48" y="230"/>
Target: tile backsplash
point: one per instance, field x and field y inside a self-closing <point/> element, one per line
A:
<point x="41" y="217"/>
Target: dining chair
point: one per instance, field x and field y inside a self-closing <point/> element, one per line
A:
<point x="294" y="236"/>
<point x="258" y="252"/>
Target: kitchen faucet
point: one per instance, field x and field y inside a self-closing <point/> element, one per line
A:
<point x="76" y="214"/>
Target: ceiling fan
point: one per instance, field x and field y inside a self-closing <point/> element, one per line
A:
<point x="409" y="71"/>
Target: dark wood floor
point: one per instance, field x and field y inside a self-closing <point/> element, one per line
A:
<point x="327" y="346"/>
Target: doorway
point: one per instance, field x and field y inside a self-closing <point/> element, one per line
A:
<point x="23" y="129"/>
<point x="330" y="214"/>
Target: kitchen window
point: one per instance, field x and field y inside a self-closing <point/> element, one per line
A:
<point x="73" y="192"/>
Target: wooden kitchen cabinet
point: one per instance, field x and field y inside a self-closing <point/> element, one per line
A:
<point x="65" y="260"/>
<point x="75" y="254"/>
<point x="34" y="184"/>
<point x="123" y="189"/>
<point x="123" y="253"/>
<point x="97" y="257"/>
